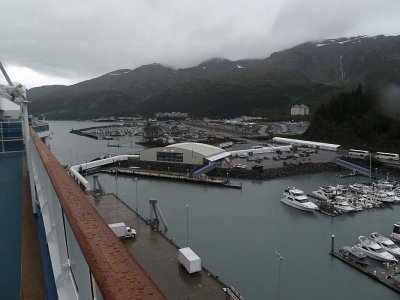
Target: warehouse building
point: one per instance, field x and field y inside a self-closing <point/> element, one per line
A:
<point x="186" y="153"/>
<point x="317" y="145"/>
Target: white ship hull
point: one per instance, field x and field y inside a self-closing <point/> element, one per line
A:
<point x="296" y="205"/>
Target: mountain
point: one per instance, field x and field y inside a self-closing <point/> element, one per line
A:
<point x="358" y="120"/>
<point x="309" y="73"/>
<point x="41" y="92"/>
<point x="343" y="60"/>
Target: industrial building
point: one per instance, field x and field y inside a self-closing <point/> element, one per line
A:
<point x="186" y="153"/>
<point x="318" y="145"/>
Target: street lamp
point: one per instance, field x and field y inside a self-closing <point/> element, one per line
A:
<point x="137" y="199"/>
<point x="279" y="272"/>
<point x="116" y="180"/>
<point x="187" y="224"/>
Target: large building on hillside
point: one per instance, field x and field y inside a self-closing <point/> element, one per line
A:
<point x="299" y="110"/>
<point x="186" y="153"/>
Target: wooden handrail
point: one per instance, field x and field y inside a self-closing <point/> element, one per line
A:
<point x="117" y="273"/>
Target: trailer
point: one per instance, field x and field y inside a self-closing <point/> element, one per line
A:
<point x="190" y="260"/>
<point x="121" y="230"/>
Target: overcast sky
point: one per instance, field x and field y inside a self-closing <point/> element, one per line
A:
<point x="63" y="42"/>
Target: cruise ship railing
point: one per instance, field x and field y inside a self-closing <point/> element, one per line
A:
<point x="11" y="136"/>
<point x="87" y="259"/>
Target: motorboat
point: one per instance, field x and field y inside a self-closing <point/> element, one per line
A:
<point x="363" y="202"/>
<point x="296" y="198"/>
<point x="394" y="197"/>
<point x="373" y="250"/>
<point x="395" y="235"/>
<point x="329" y="191"/>
<point x="357" y="187"/>
<point x="357" y="207"/>
<point x="341" y="189"/>
<point x="320" y="195"/>
<point x="383" y="197"/>
<point x="341" y="204"/>
<point x="386" y="243"/>
<point x="384" y="184"/>
<point x="371" y="199"/>
<point x="327" y="207"/>
<point x="354" y="255"/>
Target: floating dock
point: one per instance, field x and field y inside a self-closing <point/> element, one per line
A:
<point x="383" y="275"/>
<point x="174" y="176"/>
<point x="158" y="255"/>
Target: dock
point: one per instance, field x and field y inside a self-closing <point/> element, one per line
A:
<point x="158" y="255"/>
<point x="383" y="275"/>
<point x="173" y="176"/>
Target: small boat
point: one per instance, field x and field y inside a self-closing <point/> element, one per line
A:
<point x="384" y="184"/>
<point x="395" y="235"/>
<point x="341" y="204"/>
<point x="357" y="187"/>
<point x="320" y="195"/>
<point x="383" y="197"/>
<point x="329" y="191"/>
<point x="373" y="250"/>
<point x="386" y="244"/>
<point x="327" y="207"/>
<point x="354" y="255"/>
<point x="296" y="198"/>
<point x="394" y="197"/>
<point x="363" y="202"/>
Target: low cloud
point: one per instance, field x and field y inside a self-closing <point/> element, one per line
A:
<point x="73" y="40"/>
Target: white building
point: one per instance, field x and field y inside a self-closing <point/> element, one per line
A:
<point x="299" y="110"/>
<point x="171" y="115"/>
<point x="318" y="145"/>
<point x="186" y="153"/>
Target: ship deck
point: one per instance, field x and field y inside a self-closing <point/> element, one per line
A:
<point x="21" y="275"/>
<point x="158" y="256"/>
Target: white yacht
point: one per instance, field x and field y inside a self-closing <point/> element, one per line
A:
<point x="393" y="196"/>
<point x="319" y="194"/>
<point x="363" y="202"/>
<point x="341" y="204"/>
<point x="296" y="198"/>
<point x="386" y="244"/>
<point x="373" y="250"/>
<point x="383" y="197"/>
<point x="329" y="191"/>
<point x="357" y="187"/>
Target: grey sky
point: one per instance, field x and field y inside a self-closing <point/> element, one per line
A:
<point x="53" y="41"/>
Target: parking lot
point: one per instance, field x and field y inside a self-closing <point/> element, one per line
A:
<point x="280" y="159"/>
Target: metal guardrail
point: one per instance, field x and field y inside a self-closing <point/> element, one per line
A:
<point x="88" y="261"/>
<point x="351" y="166"/>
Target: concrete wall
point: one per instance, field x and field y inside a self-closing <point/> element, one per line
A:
<point x="189" y="157"/>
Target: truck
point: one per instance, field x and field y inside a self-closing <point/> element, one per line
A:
<point x="121" y="230"/>
<point x="189" y="260"/>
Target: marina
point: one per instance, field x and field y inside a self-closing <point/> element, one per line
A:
<point x="370" y="264"/>
<point x="250" y="265"/>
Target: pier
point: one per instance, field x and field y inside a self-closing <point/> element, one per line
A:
<point x="173" y="176"/>
<point x="158" y="255"/>
<point x="382" y="275"/>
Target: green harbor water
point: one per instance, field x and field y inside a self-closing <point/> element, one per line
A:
<point x="236" y="232"/>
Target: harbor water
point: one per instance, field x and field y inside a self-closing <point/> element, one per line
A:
<point x="237" y="232"/>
